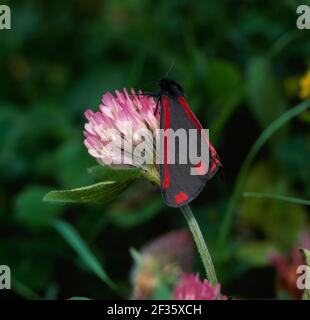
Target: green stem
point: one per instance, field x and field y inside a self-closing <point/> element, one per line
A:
<point x="200" y="243"/>
<point x="277" y="197"/>
<point x="283" y="42"/>
<point x="153" y="176"/>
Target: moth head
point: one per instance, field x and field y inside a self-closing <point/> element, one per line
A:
<point x="171" y="87"/>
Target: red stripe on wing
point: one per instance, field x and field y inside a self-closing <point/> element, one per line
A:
<point x="166" y="180"/>
<point x="213" y="166"/>
<point x="197" y="124"/>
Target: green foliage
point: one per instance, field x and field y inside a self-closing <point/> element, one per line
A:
<point x="69" y="172"/>
<point x="233" y="61"/>
<point x="255" y="253"/>
<point x="31" y="211"/>
<point x="280" y="221"/>
<point x="222" y="79"/>
<point x="266" y="101"/>
<point x="98" y="193"/>
<point x="259" y="143"/>
<point x="77" y="244"/>
<point x="132" y="210"/>
<point x="225" y="87"/>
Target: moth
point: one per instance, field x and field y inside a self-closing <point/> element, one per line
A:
<point x="182" y="182"/>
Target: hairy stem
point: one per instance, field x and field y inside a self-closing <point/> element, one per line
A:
<point x="200" y="243"/>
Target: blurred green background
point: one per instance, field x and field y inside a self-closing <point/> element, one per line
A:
<point x="240" y="63"/>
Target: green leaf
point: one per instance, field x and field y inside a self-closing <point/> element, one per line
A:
<point x="63" y="164"/>
<point x="79" y="298"/>
<point x="225" y="88"/>
<point x="99" y="193"/>
<point x="136" y="256"/>
<point x="31" y="211"/>
<point x="306" y="295"/>
<point x="80" y="247"/>
<point x="265" y="98"/>
<point x="276" y="197"/>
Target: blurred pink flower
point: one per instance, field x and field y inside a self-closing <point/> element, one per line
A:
<point x="192" y="288"/>
<point x="286" y="267"/>
<point x="162" y="259"/>
<point x="112" y="132"/>
<point x="286" y="270"/>
<point x="175" y="246"/>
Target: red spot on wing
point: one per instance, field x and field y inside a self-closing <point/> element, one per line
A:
<point x="181" y="197"/>
<point x="166" y="179"/>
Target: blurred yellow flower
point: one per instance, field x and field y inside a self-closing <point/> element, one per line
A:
<point x="305" y="86"/>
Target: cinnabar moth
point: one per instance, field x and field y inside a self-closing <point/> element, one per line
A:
<point x="178" y="186"/>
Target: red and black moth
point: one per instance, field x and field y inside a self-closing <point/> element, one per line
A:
<point x="178" y="185"/>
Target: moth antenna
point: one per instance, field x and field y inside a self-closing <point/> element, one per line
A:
<point x="170" y="68"/>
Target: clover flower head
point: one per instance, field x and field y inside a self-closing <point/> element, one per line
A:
<point x="123" y="120"/>
<point x="192" y="288"/>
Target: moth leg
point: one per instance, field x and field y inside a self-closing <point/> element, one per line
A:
<point x="150" y="94"/>
<point x="157" y="105"/>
